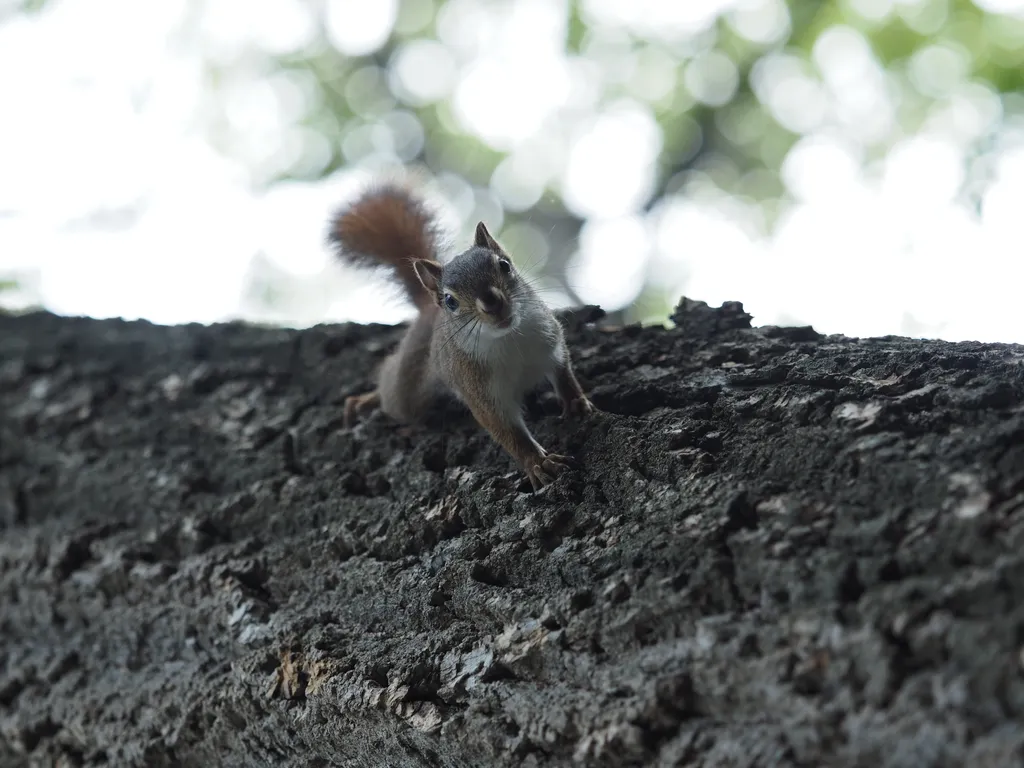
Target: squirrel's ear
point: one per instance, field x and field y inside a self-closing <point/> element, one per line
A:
<point x="429" y="273"/>
<point x="483" y="239"/>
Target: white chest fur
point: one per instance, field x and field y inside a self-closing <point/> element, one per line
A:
<point x="520" y="358"/>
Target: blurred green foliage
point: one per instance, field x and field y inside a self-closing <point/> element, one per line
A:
<point x="733" y="147"/>
<point x="739" y="145"/>
<point x="995" y="46"/>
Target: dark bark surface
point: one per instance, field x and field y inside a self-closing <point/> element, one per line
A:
<point x="781" y="549"/>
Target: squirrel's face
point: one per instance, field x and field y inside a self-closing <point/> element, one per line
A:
<point x="480" y="284"/>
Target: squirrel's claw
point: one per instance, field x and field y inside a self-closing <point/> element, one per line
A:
<point x="542" y="470"/>
<point x="580" y="406"/>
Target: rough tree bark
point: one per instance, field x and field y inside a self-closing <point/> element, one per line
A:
<point x="781" y="549"/>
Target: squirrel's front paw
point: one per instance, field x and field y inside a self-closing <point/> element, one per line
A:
<point x="357" y="404"/>
<point x="577" y="407"/>
<point x="542" y="470"/>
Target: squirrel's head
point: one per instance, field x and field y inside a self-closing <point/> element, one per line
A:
<point x="479" y="284"/>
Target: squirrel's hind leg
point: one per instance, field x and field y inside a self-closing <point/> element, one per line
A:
<point x="406" y="381"/>
<point x="357" y="404"/>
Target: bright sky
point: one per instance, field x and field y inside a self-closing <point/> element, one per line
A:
<point x="114" y="197"/>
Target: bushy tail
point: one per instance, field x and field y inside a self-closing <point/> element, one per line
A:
<point x="387" y="227"/>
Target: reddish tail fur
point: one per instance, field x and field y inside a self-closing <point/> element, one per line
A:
<point x="387" y="227"/>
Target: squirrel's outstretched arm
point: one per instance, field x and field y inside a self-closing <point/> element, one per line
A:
<point x="509" y="430"/>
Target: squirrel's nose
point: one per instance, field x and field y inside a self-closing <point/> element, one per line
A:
<point x="491" y="301"/>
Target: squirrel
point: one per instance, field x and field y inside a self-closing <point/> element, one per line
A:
<point x="481" y="332"/>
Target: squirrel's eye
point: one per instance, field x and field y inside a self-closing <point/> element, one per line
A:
<point x="451" y="302"/>
<point x="504" y="265"/>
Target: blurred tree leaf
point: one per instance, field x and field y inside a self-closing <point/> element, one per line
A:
<point x="737" y="147"/>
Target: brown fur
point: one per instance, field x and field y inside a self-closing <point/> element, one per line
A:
<point x="387" y="226"/>
<point x="409" y="381"/>
<point x="511" y="434"/>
